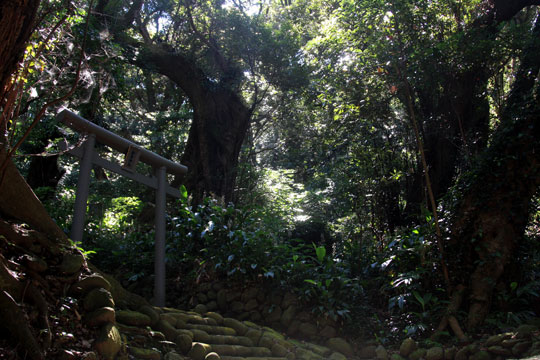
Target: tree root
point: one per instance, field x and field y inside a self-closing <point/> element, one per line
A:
<point x="449" y="318"/>
<point x="14" y="290"/>
<point x="12" y="315"/>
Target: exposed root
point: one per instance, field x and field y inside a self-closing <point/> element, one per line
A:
<point x="13" y="319"/>
<point x="449" y="318"/>
<point x="16" y="290"/>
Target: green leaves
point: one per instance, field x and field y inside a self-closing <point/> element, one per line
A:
<point x="183" y="194"/>
<point x="320" y="251"/>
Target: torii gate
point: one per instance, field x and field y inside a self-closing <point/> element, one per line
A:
<point x="133" y="154"/>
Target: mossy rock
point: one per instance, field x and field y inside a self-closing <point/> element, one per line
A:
<point x="495" y="340"/>
<point x="328" y="332"/>
<point x="255" y="316"/>
<point x="202" y="298"/>
<point x="254" y="335"/>
<point x="212" y="305"/>
<point x="184" y="343"/>
<point x="307" y="329"/>
<point x="133" y="330"/>
<point x="98" y="298"/>
<point x="520" y="348"/>
<point x="213" y="330"/>
<point x="337" y="356"/>
<point x="288" y="316"/>
<point x="381" y="353"/>
<point x="292" y="330"/>
<point x="133" y="318"/>
<point x="146" y="354"/>
<point x="525" y="331"/>
<point x="273" y="333"/>
<point x="212" y="356"/>
<point x="317" y="349"/>
<point x="303" y="354"/>
<point x="230" y="340"/>
<point x="417" y="354"/>
<point x="407" y="347"/>
<point x="222" y="299"/>
<point x="267" y="341"/>
<point x="90" y="282"/>
<point x="171" y="318"/>
<point x="210" y="321"/>
<point x="199" y="351"/>
<point x="217" y="317"/>
<point x="201" y="309"/>
<point x="173" y="355"/>
<point x="274" y="314"/>
<point x="200" y="336"/>
<point x="100" y="317"/>
<point x="509" y="343"/>
<point x="367" y="352"/>
<point x="249" y="294"/>
<point x="71" y="263"/>
<point x="450" y="353"/>
<point x="166" y="309"/>
<point x="278" y="350"/>
<point x="151" y="313"/>
<point x="108" y="342"/>
<point x="288" y="300"/>
<point x="157" y="335"/>
<point x="480" y="355"/>
<point x="434" y="353"/>
<point x="340" y="345"/>
<point x="237" y="307"/>
<point x="462" y="354"/>
<point x="212" y="294"/>
<point x="238" y="326"/>
<point x="123" y="298"/>
<point x="251" y="305"/>
<point x="500" y="351"/>
<point x="238" y="350"/>
<point x="166" y="328"/>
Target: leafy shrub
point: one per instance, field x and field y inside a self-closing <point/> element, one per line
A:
<point x="223" y="241"/>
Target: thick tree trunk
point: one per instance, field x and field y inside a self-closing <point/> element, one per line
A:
<point x="493" y="211"/>
<point x="456" y="118"/>
<point x="220" y="123"/>
<point x="16" y="25"/>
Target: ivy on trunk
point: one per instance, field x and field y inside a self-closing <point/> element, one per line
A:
<point x="492" y="213"/>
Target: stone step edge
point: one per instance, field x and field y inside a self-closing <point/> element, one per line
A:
<point x="226" y="341"/>
<point x="215" y="329"/>
<point x="251" y="358"/>
<point x="247" y="350"/>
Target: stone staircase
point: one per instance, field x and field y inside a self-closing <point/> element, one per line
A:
<point x="127" y="328"/>
<point x="210" y="336"/>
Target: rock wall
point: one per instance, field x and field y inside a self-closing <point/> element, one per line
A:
<point x="278" y="310"/>
<point x="137" y="330"/>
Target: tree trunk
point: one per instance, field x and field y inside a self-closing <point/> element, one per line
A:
<point x="492" y="214"/>
<point x="16" y="25"/>
<point x="220" y="123"/>
<point x="456" y="117"/>
<point x="219" y="126"/>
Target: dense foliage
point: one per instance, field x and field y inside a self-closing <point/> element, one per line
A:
<point x="345" y="106"/>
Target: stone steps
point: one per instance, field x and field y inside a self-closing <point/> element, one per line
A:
<point x="211" y="329"/>
<point x="251" y="358"/>
<point x="210" y="336"/>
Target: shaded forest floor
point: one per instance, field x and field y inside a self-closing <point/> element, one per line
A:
<point x="82" y="314"/>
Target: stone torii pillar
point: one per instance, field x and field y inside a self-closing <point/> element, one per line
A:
<point x="133" y="154"/>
